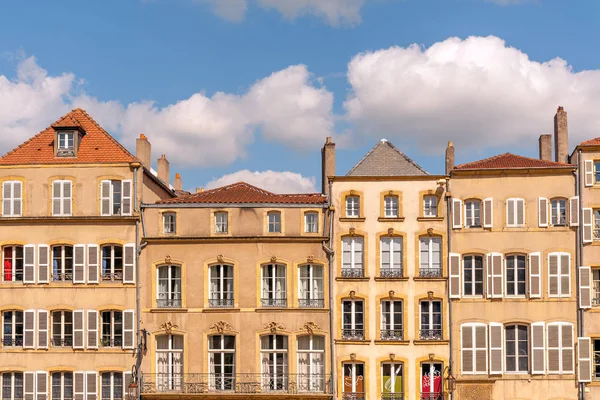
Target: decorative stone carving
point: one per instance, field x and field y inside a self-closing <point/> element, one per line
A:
<point x="168" y="327"/>
<point x="431" y="356"/>
<point x="390" y="231"/>
<point x="392" y="356"/>
<point x="221" y="326"/>
<point x="353" y="356"/>
<point x="310" y="326"/>
<point x="391" y="293"/>
<point x="391" y="192"/>
<point x="352" y="294"/>
<point x="220" y="258"/>
<point x="478" y="391"/>
<point x="430" y="231"/>
<point x="352" y="193"/>
<point x="273" y="259"/>
<point x="430" y="295"/>
<point x="167" y="259"/>
<point x="352" y="231"/>
<point x="310" y="258"/>
<point x="273" y="326"/>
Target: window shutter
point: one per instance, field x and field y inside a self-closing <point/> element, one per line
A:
<point x="510" y="212"/>
<point x="520" y="205"/>
<point x="29" y="329"/>
<point x="42" y="329"/>
<point x="585" y="289"/>
<point x="43" y="267"/>
<point x="535" y="279"/>
<point x="538" y="365"/>
<point x="128" y="329"/>
<point x="127" y="378"/>
<point x="553" y="261"/>
<point x="574" y="211"/>
<point x="67" y="197"/>
<point x="466" y="340"/>
<point x="92" y="329"/>
<point x="488" y="212"/>
<point x="588" y="166"/>
<point x="497" y="275"/>
<point x="454" y="282"/>
<point x="92" y="267"/>
<point x="126" y="208"/>
<point x="496" y="343"/>
<point x="105" y="198"/>
<point x="78" y="319"/>
<point x="91" y="385"/>
<point x="587" y="225"/>
<point x="56" y="197"/>
<point x="480" y="349"/>
<point x="6" y="199"/>
<point x="79" y="385"/>
<point x="565" y="275"/>
<point x="29" y="263"/>
<point x="129" y="263"/>
<point x="542" y="212"/>
<point x="456" y="213"/>
<point x="553" y="348"/>
<point x="41" y="387"/>
<point x="567" y="349"/>
<point x="79" y="263"/>
<point x="584" y="359"/>
<point x="29" y="385"/>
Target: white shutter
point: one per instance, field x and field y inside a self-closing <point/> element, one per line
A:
<point x="78" y="329"/>
<point x="510" y="212"/>
<point x="588" y="220"/>
<point x="553" y="347"/>
<point x="538" y="350"/>
<point x="29" y="329"/>
<point x="43" y="266"/>
<point x="535" y="276"/>
<point x="79" y="385"/>
<point x="584" y="359"/>
<point x="542" y="212"/>
<point x="7" y="199"/>
<point x="457" y="206"/>
<point x="42" y="329"/>
<point x="67" y="197"/>
<point x="585" y="287"/>
<point x="496" y="348"/>
<point x="553" y="274"/>
<point x="127" y="379"/>
<point x="520" y="207"/>
<point x="56" y="197"/>
<point x="588" y="172"/>
<point x="129" y="263"/>
<point x="480" y="338"/>
<point x="454" y="275"/>
<point x="29" y="385"/>
<point x="105" y="198"/>
<point x="126" y="198"/>
<point x="128" y="329"/>
<point x="29" y="263"/>
<point x="92" y="329"/>
<point x="79" y="263"/>
<point x="93" y="264"/>
<point x="567" y="347"/>
<point x="41" y="385"/>
<point x="488" y="212"/>
<point x="494" y="267"/>
<point x="466" y="349"/>
<point x="17" y="199"/>
<point x="565" y="275"/>
<point x="574" y="211"/>
<point x="91" y="386"/>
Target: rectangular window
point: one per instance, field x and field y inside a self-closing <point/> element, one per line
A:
<point x="274" y="366"/>
<point x="169" y="221"/>
<point x="352" y="257"/>
<point x="115" y="197"/>
<point x="169" y="363"/>
<point x="473" y="275"/>
<point x="353" y="324"/>
<point x="221" y="356"/>
<point x="517" y="348"/>
<point x="430" y="257"/>
<point x="432" y="385"/>
<point x="62" y="263"/>
<point x="392" y="381"/>
<point x="310" y="292"/>
<point x="473" y="214"/>
<point x="354" y="381"/>
<point x="12" y="199"/>
<point x="311" y="363"/>
<point x="274" y="218"/>
<point x="62" y="385"/>
<point x="391" y="320"/>
<point x="390" y="206"/>
<point x="559" y="275"/>
<point x="515" y="275"/>
<point x="66" y="141"/>
<point x="62" y="328"/>
<point x="559" y="212"/>
<point x="12" y="386"/>
<point x="391" y="257"/>
<point x="12" y="259"/>
<point x="61" y="198"/>
<point x="169" y="287"/>
<point x="221" y="286"/>
<point x="12" y="329"/>
<point x="352" y="206"/>
<point x="596" y="226"/>
<point x="311" y="222"/>
<point x="274" y="285"/>
<point x="430" y="206"/>
<point x="431" y="320"/>
<point x="560" y="348"/>
<point x="112" y="385"/>
<point x="221" y="222"/>
<point x="596" y="360"/>
<point x="596" y="171"/>
<point x="112" y="263"/>
<point x="515" y="213"/>
<point x="112" y="329"/>
<point x="473" y="347"/>
<point x="596" y="288"/>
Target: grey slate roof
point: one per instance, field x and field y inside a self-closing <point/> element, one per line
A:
<point x="386" y="160"/>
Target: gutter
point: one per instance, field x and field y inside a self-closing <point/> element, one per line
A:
<point x="234" y="205"/>
<point x="449" y="244"/>
<point x="579" y="258"/>
<point x="330" y="256"/>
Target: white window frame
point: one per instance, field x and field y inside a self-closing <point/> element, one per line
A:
<point x="316" y="373"/>
<point x="431" y="313"/>
<point x="217" y="272"/>
<point x="313" y="297"/>
<point x="222" y="380"/>
<point x="274" y="222"/>
<point x="63" y="274"/>
<point x="13" y="260"/>
<point x="113" y="335"/>
<point x="595" y="224"/>
<point x="64" y="138"/>
<point x="352" y="206"/>
<point x="395" y="257"/>
<point x="13" y="328"/>
<point x="62" y="198"/>
<point x="353" y="315"/>
<point x="430" y="240"/>
<point x="430" y="206"/>
<point x="172" y="380"/>
<point x="391" y="324"/>
<point x="274" y="294"/>
<point x="473" y="281"/>
<point x="112" y="273"/>
<point x="555" y="209"/>
<point x="433" y="372"/>
<point x="353" y="252"/>
<point x="276" y="380"/>
<point x="516" y="201"/>
<point x="221" y="222"/>
<point x="595" y="289"/>
<point x="471" y="207"/>
<point x="170" y="294"/>
<point x="516" y="270"/>
<point x="111" y="200"/>
<point x="13" y="385"/>
<point x="62" y="385"/>
<point x="516" y="355"/>
<point x="561" y="347"/>
<point x="473" y="349"/>
<point x="169" y="222"/>
<point x="394" y="366"/>
<point x="62" y="323"/>
<point x="111" y="386"/>
<point x="559" y="274"/>
<point x="13" y="199"/>
<point x="311" y="222"/>
<point x="391" y="206"/>
<point x="353" y="376"/>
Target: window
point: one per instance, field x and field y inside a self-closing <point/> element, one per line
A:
<point x="432" y="387"/>
<point x="274" y="286"/>
<point x="62" y="385"/>
<point x="12" y="199"/>
<point x="516" y="348"/>
<point x="12" y="386"/>
<point x="311" y="222"/>
<point x="221" y="359"/>
<point x="112" y="385"/>
<point x="311" y="363"/>
<point x="274" y="219"/>
<point x="112" y="328"/>
<point x="221" y="222"/>
<point x="391" y="320"/>
<point x="596" y="360"/>
<point x="558" y="212"/>
<point x="169" y="222"/>
<point x="274" y="362"/>
<point x="354" y="381"/>
<point x="473" y="276"/>
<point x="115" y="197"/>
<point x="473" y="214"/>
<point x="61" y="198"/>
<point x="352" y="206"/>
<point x="310" y="292"/>
<point x="392" y="381"/>
<point x="112" y="263"/>
<point x="221" y="286"/>
<point x="12" y="329"/>
<point x="391" y="257"/>
<point x="596" y="287"/>
<point x="596" y="232"/>
<point x="169" y="287"/>
<point x="62" y="263"/>
<point x="353" y="320"/>
<point x="596" y="171"/>
<point x="473" y="348"/>
<point x="62" y="328"/>
<point x="515" y="275"/>
<point x="431" y="320"/>
<point x="66" y="141"/>
<point x="430" y="206"/>
<point x="390" y="206"/>
<point x="560" y="348"/>
<point x="559" y="275"/>
<point x="169" y="362"/>
<point x="352" y="257"/>
<point x="13" y="263"/>
<point x="515" y="213"/>
<point x="431" y="257"/>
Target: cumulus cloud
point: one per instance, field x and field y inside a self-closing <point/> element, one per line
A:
<point x="478" y="92"/>
<point x="273" y="181"/>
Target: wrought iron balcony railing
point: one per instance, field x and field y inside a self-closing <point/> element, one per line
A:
<point x="353" y="334"/>
<point x="426" y="272"/>
<point x="392" y="396"/>
<point x="353" y="396"/>
<point x="236" y="383"/>
<point x="112" y="276"/>
<point x="220" y="303"/>
<point x="10" y="342"/>
<point x="430" y="334"/>
<point x="275" y="303"/>
<point x="353" y="273"/>
<point x="114" y="342"/>
<point x="164" y="302"/>
<point x="62" y="277"/>
<point x="311" y="303"/>
<point x="432" y="396"/>
<point x="392" y="334"/>
<point x="390" y="272"/>
<point x="62" y="342"/>
<point x="596" y="300"/>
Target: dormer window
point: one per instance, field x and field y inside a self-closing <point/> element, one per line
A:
<point x="66" y="143"/>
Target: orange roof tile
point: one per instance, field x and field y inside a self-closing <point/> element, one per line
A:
<point x="591" y="142"/>
<point x="508" y="160"/>
<point x="242" y="192"/>
<point x="97" y="145"/>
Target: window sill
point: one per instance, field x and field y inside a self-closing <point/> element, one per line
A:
<point x="436" y="279"/>
<point x="430" y="342"/>
<point x="401" y="279"/>
<point x="423" y="219"/>
<point x="168" y="310"/>
<point x="361" y="279"/>
<point x="220" y="310"/>
<point x="348" y="341"/>
<point x="393" y="342"/>
<point x="390" y="219"/>
<point x="354" y="219"/>
<point x="271" y="309"/>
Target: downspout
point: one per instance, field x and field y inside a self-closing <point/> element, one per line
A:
<point x="330" y="255"/>
<point x="579" y="257"/>
<point x="449" y="244"/>
<point x="140" y="244"/>
<point x="138" y="353"/>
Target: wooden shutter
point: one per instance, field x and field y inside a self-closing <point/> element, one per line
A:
<point x="585" y="287"/>
<point x="588" y="166"/>
<point x="42" y="329"/>
<point x="480" y="337"/>
<point x="535" y="278"/>
<point x="91" y="386"/>
<point x="92" y="329"/>
<point x="43" y="267"/>
<point x="574" y="211"/>
<point x="567" y="345"/>
<point x="553" y="274"/>
<point x="29" y="263"/>
<point x="454" y="281"/>
<point x="56" y="197"/>
<point x="78" y="322"/>
<point x="6" y="198"/>
<point x="466" y="346"/>
<point x="584" y="359"/>
<point x="129" y="263"/>
<point x="553" y="346"/>
<point x="41" y="385"/>
<point x="496" y="345"/>
<point x="79" y="263"/>
<point x="587" y="225"/>
<point x="128" y="329"/>
<point x="105" y="208"/>
<point x="67" y="197"/>
<point x="127" y="379"/>
<point x="92" y="263"/>
<point x="457" y="213"/>
<point x="488" y="212"/>
<point x="510" y="212"/>
<point x="542" y="212"/>
<point x="29" y="329"/>
<point x="538" y="364"/>
<point x="126" y="198"/>
<point x="29" y="385"/>
<point x="17" y="198"/>
<point x="494" y="275"/>
<point x="79" y="385"/>
<point x="565" y="275"/>
<point x="520" y="207"/>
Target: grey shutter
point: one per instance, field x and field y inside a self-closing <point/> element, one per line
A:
<point x="542" y="212"/>
<point x="43" y="266"/>
<point x="29" y="385"/>
<point x="42" y="329"/>
<point x="574" y="211"/>
<point x="79" y="385"/>
<point x="553" y="271"/>
<point x="497" y="275"/>
<point x="584" y="359"/>
<point x="488" y="212"/>
<point x="538" y="364"/>
<point x="487" y="272"/>
<point x="553" y="348"/>
<point x="496" y="343"/>
<point x="29" y="329"/>
<point x="105" y="199"/>
<point x="56" y="197"/>
<point x="92" y="329"/>
<point x="565" y="275"/>
<point x="456" y="213"/>
<point x="17" y="198"/>
<point x="126" y="209"/>
<point x="7" y="199"/>
<point x="585" y="288"/>
<point x="129" y="263"/>
<point x="587" y="225"/>
<point x="567" y="349"/>
<point x="128" y="329"/>
<point x="454" y="275"/>
<point x="78" y="322"/>
<point x="588" y="172"/>
<point x="520" y="204"/>
<point x="466" y="333"/>
<point x="67" y="197"/>
<point x="481" y="349"/>
<point x="535" y="278"/>
<point x="510" y="212"/>
<point x="92" y="267"/>
<point x="91" y="386"/>
<point x="41" y="385"/>
<point x="79" y="263"/>
<point x="29" y="263"/>
<point x="127" y="379"/>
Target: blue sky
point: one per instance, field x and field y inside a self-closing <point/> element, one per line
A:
<point x="223" y="86"/>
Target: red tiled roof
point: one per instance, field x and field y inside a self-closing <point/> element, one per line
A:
<point x="591" y="142"/>
<point x="508" y="160"/>
<point x="97" y="145"/>
<point x="241" y="192"/>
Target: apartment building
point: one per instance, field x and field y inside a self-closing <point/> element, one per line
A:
<point x="390" y="311"/>
<point x="70" y="212"/>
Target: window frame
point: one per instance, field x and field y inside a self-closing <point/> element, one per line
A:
<point x="349" y="329"/>
<point x="595" y="359"/>
<point x="391" y="271"/>
<point x="171" y="300"/>
<point x="311" y="227"/>
<point x="111" y="386"/>
<point x="516" y="281"/>
<point x="275" y="298"/>
<point x="596" y="224"/>
<point x="173" y="379"/>
<point x="391" y="329"/>
<point x="14" y="268"/>
<point x="595" y="289"/>
<point x="62" y="198"/>
<point x="63" y="139"/>
<point x="432" y="373"/>
<point x="63" y="274"/>
<point x="13" y="387"/>
<point x="429" y="271"/>
<point x="62" y="338"/>
<point x="353" y="271"/>
<point x="354" y="378"/>
<point x="112" y="273"/>
<point x="352" y="206"/>
<point x="12" y="199"/>
<point x="430" y="208"/>
<point x="309" y="301"/>
<point x="114" y="339"/>
<point x="222" y="380"/>
<point x="314" y="380"/>
<point x="16" y="339"/>
<point x="391" y="206"/>
<point x="273" y="379"/>
<point x="473" y="282"/>
<point x="393" y="365"/>
<point x="430" y="332"/>
<point x="556" y="202"/>
<point x="515" y="201"/>
<point x="224" y="298"/>
<point x="516" y="355"/>
<point x="169" y="223"/>
<point x="62" y="385"/>
<point x="473" y="207"/>
<point x="221" y="222"/>
<point x="274" y="222"/>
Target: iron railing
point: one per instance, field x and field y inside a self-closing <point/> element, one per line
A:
<point x="353" y="273"/>
<point x="62" y="342"/>
<point x="164" y="302"/>
<point x="353" y="334"/>
<point x="432" y="396"/>
<point x="277" y="303"/>
<point x="392" y="334"/>
<point x="220" y="303"/>
<point x="311" y="303"/>
<point x="114" y="342"/>
<point x="353" y="396"/>
<point x="596" y="300"/>
<point x="390" y="272"/>
<point x="112" y="276"/>
<point x="10" y="342"/>
<point x="427" y="272"/>
<point x="430" y="334"/>
<point x="392" y="396"/>
<point x="62" y="277"/>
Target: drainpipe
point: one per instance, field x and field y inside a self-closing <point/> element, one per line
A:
<point x="449" y="244"/>
<point x="330" y="255"/>
<point x="579" y="257"/>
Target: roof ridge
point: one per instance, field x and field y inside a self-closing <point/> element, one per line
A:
<point x="407" y="158"/>
<point x="536" y="162"/>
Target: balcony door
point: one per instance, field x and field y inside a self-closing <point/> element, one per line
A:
<point x="169" y="363"/>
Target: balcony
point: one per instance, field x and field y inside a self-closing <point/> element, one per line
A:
<point x="353" y="334"/>
<point x="353" y="273"/>
<point x="108" y="342"/>
<point x="220" y="303"/>
<point x="8" y="341"/>
<point x="59" y="277"/>
<point x="62" y="342"/>
<point x="430" y="334"/>
<point x="390" y="273"/>
<point x="392" y="396"/>
<point x="432" y="396"/>
<point x="596" y="300"/>
<point x="353" y="396"/>
<point x="392" y="334"/>
<point x="112" y="276"/>
<point x="274" y="303"/>
<point x="430" y="272"/>
<point x="168" y="301"/>
<point x="311" y="303"/>
<point x="275" y="384"/>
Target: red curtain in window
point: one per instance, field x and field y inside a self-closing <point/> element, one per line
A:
<point x="8" y="267"/>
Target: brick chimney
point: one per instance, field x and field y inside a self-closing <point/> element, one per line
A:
<point x="163" y="169"/>
<point x="177" y="182"/>
<point x="561" y="136"/>
<point x="546" y="147"/>
<point x="449" y="158"/>
<point x="327" y="164"/>
<point x="143" y="150"/>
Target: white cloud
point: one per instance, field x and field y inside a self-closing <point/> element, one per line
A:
<point x="478" y="92"/>
<point x="230" y="10"/>
<point x="273" y="181"/>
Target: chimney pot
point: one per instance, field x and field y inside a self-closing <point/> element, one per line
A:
<point x="163" y="169"/>
<point x="449" y="158"/>
<point x="545" y="145"/>
<point x="561" y="135"/>
<point x="143" y="150"/>
<point x="177" y="184"/>
<point x="327" y="165"/>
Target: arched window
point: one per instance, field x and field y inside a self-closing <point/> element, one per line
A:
<point x="311" y="363"/>
<point x="516" y="348"/>
<point x="310" y="291"/>
<point x="274" y="285"/>
<point x="12" y="259"/>
<point x="392" y="380"/>
<point x="221" y="286"/>
<point x="62" y="263"/>
<point x="112" y="263"/>
<point x="169" y="287"/>
<point x="274" y="362"/>
<point x="169" y="362"/>
<point x="221" y="360"/>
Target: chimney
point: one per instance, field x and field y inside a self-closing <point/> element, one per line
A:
<point x="561" y="136"/>
<point x="327" y="164"/>
<point x="163" y="169"/>
<point x="546" y="147"/>
<point x="177" y="182"/>
<point x="143" y="150"/>
<point x="199" y="189"/>
<point x="449" y="158"/>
